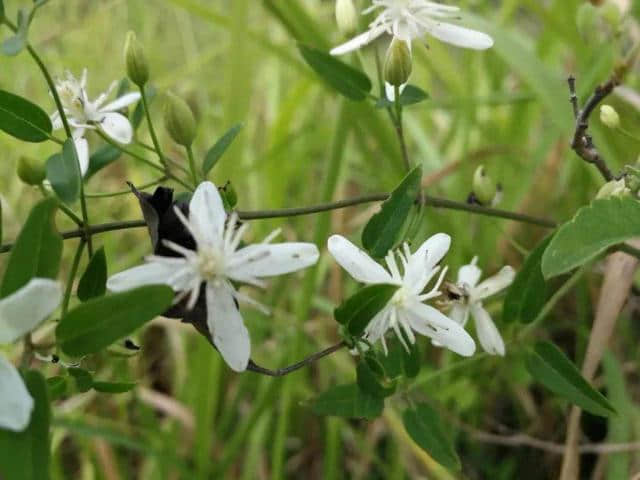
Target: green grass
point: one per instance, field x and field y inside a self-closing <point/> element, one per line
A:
<point x="237" y="61"/>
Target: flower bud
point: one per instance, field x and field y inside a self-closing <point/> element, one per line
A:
<point x="31" y="171"/>
<point x="609" y="116"/>
<point x="346" y="16"/>
<point x="179" y="120"/>
<point x="614" y="188"/>
<point x="397" y="64"/>
<point x="484" y="187"/>
<point x="611" y="14"/>
<point x="137" y="67"/>
<point x="586" y="19"/>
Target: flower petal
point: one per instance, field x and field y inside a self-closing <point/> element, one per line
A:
<point x="356" y="262"/>
<point x="460" y="36"/>
<point x="488" y="334"/>
<point x="16" y="404"/>
<point x="495" y="284"/>
<point x="117" y="126"/>
<point x="82" y="149"/>
<point x="152" y="273"/>
<point x="265" y="260"/>
<point x="121" y="102"/>
<point x="358" y="41"/>
<point x="459" y="313"/>
<point x="227" y="329"/>
<point x="26" y="308"/>
<point x="469" y="274"/>
<point x="207" y="215"/>
<point x="432" y="323"/>
<point x="428" y="254"/>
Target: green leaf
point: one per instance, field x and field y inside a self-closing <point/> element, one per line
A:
<point x="93" y="282"/>
<point x="371" y="379"/>
<point x="221" y="146"/>
<point x="83" y="379"/>
<point x="22" y="119"/>
<point x="357" y="311"/>
<point x="350" y="82"/>
<point x="1" y="10"/>
<point x="37" y="250"/>
<point x="63" y="171"/>
<point x="596" y="227"/>
<point x="411" y="360"/>
<point x="409" y="96"/>
<point x="528" y="293"/>
<point x="548" y="365"/>
<point x="101" y="158"/>
<point x="108" y="387"/>
<point x="348" y="401"/>
<point x="57" y="387"/>
<point x="425" y="428"/>
<point x="382" y="231"/>
<point x="98" y="323"/>
<point x="26" y="455"/>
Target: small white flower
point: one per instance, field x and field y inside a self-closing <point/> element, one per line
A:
<point x="408" y="20"/>
<point x="406" y="310"/>
<point x="20" y="313"/>
<point x="217" y="262"/>
<point x="471" y="303"/>
<point x="84" y="114"/>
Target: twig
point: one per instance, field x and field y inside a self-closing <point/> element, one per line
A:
<point x="281" y="372"/>
<point x="582" y="143"/>
<point x="435" y="202"/>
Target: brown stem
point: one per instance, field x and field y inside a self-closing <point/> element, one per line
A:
<point x="281" y="372"/>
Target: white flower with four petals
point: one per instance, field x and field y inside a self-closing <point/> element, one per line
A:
<point x="20" y="313"/>
<point x="217" y="262"/>
<point x="473" y="293"/>
<point x="84" y="114"/>
<point x="406" y="312"/>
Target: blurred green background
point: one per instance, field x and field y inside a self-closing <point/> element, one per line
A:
<point x="237" y="61"/>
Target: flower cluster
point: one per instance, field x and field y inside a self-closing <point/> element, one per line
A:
<point x="211" y="262"/>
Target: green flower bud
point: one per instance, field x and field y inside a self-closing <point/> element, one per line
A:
<point x="135" y="60"/>
<point x="179" y="120"/>
<point x="31" y="171"/>
<point x="609" y="116"/>
<point x="614" y="188"/>
<point x="611" y="14"/>
<point x="484" y="187"/>
<point x="586" y="19"/>
<point x="397" y="64"/>
<point x="346" y="16"/>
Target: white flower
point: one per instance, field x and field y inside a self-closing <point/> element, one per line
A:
<point x="407" y="20"/>
<point x="217" y="262"/>
<point x="84" y="114"/>
<point x="471" y="302"/>
<point x="20" y="313"/>
<point x="406" y="310"/>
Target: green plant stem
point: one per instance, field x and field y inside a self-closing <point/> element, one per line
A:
<point x="152" y="130"/>
<point x="192" y="164"/>
<point x="72" y="275"/>
<point x="325" y="207"/>
<point x="626" y="248"/>
<point x="551" y="303"/>
<point x="145" y="161"/>
<point x="400" y="129"/>
<point x="168" y="160"/>
<point x="128" y="191"/>
<point x="70" y="213"/>
<point x="65" y="124"/>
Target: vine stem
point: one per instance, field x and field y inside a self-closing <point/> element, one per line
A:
<point x="192" y="164"/>
<point x="281" y="372"/>
<point x="400" y="128"/>
<point x="144" y="160"/>
<point x="72" y="275"/>
<point x="65" y="124"/>
<point x="435" y="202"/>
<point x="152" y="130"/>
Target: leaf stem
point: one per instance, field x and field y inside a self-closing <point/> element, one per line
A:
<point x="127" y="191"/>
<point x="152" y="130"/>
<point x="70" y="213"/>
<point x="72" y="276"/>
<point x="192" y="164"/>
<point x="400" y="128"/>
<point x="281" y="372"/>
